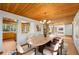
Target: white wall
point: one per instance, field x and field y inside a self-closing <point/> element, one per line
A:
<point x="33" y="27"/>
<point x="76" y="31"/>
<point x="1" y="34"/>
<point x="58" y="32"/>
<point x="24" y="36"/>
<point x="68" y="29"/>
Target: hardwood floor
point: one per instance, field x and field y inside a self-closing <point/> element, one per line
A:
<point x="71" y="47"/>
<point x="8" y="46"/>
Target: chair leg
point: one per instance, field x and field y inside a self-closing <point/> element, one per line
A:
<point x="1" y="53"/>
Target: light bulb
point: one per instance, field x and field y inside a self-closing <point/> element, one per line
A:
<point x="44" y="21"/>
<point x="41" y="22"/>
<point x="48" y="21"/>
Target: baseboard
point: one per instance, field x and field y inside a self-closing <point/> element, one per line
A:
<point x="69" y="35"/>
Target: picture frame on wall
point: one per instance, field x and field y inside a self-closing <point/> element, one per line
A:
<point x="61" y="29"/>
<point x="25" y="27"/>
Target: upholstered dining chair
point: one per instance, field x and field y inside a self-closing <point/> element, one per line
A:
<point x="26" y="51"/>
<point x="51" y="50"/>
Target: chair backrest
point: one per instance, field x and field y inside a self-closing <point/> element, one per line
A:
<point x="56" y="47"/>
<point x="20" y="49"/>
<point x="60" y="40"/>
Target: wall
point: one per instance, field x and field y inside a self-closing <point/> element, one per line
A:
<point x="59" y="32"/>
<point x="76" y="31"/>
<point x="68" y="29"/>
<point x="33" y="28"/>
<point x="24" y="36"/>
<point x="1" y="34"/>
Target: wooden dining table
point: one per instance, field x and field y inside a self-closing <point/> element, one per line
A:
<point x="38" y="40"/>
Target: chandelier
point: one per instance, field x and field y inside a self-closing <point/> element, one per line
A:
<point x="45" y="21"/>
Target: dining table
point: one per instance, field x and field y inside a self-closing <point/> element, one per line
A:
<point x="38" y="41"/>
<point x="35" y="41"/>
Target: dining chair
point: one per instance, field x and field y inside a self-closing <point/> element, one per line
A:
<point x="51" y="50"/>
<point x="27" y="51"/>
<point x="1" y="52"/>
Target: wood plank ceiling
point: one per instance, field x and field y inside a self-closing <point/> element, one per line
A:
<point x="63" y="13"/>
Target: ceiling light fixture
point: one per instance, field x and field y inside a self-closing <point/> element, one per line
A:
<point x="45" y="21"/>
